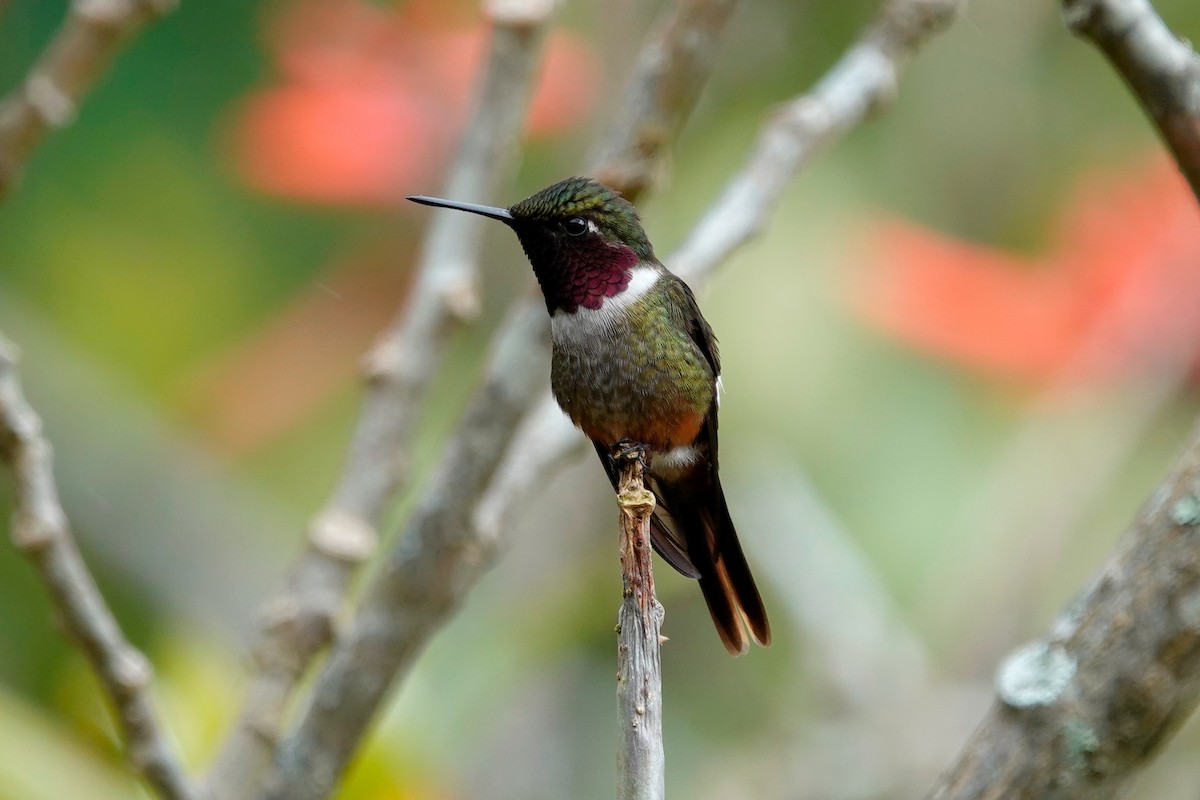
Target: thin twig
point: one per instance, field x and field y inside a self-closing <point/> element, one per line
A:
<point x="441" y="555"/>
<point x="1080" y="710"/>
<point x="641" y="770"/>
<point x="1161" y="69"/>
<point x="672" y="69"/>
<point x="41" y="533"/>
<point x="864" y="79"/>
<point x="297" y="624"/>
<point x="80" y="52"/>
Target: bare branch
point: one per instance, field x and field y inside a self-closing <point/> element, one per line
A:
<point x="672" y="69"/>
<point x="80" y="52"/>
<point x="297" y="624"/>
<point x="41" y="533"/>
<point x="641" y="769"/>
<point x="1083" y="708"/>
<point x="862" y="80"/>
<point x="435" y="562"/>
<point x="441" y="555"/>
<point x="1161" y="69"/>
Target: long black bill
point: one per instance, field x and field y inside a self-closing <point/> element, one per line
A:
<point x="486" y="211"/>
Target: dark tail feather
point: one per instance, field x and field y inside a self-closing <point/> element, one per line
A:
<point x="700" y="542"/>
<point x="722" y="606"/>
<point x="735" y="572"/>
<point x="725" y="579"/>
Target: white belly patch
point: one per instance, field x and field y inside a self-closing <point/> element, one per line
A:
<point x="674" y="460"/>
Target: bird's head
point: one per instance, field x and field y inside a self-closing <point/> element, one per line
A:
<point x="581" y="237"/>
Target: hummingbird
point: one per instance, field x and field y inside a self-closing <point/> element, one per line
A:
<point x="635" y="364"/>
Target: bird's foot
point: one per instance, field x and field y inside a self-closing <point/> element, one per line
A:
<point x="627" y="448"/>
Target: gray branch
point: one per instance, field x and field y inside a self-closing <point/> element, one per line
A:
<point x="80" y="52"/>
<point x="672" y="69"/>
<point x="864" y="79"/>
<point x="41" y="533"/>
<point x="424" y="579"/>
<point x="641" y="770"/>
<point x="1161" y="69"/>
<point x="1080" y="710"/>
<point x="299" y="622"/>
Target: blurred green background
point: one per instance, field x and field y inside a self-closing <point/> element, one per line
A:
<point x="193" y="268"/>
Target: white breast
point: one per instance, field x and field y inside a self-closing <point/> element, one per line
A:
<point x="585" y="326"/>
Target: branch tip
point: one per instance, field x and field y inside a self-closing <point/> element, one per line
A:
<point x="519" y="13"/>
<point x="1077" y="16"/>
<point x="1035" y="675"/>
<point x="343" y="536"/>
<point x="461" y="297"/>
<point x="1186" y="510"/>
<point x="103" y="13"/>
<point x="54" y="106"/>
<point x="131" y="670"/>
<point x="33" y="534"/>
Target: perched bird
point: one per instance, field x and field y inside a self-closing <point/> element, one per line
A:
<point x="635" y="363"/>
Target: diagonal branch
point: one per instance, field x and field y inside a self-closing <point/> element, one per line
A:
<point x="80" y="52"/>
<point x="672" y="68"/>
<point x="1082" y="709"/>
<point x="1161" y="70"/>
<point x="422" y="581"/>
<point x="300" y="622"/>
<point x="41" y="533"/>
<point x="864" y="79"/>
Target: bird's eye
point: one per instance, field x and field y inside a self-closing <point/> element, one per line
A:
<point x="576" y="226"/>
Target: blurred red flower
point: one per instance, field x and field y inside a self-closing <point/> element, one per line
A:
<point x="1117" y="291"/>
<point x="372" y="98"/>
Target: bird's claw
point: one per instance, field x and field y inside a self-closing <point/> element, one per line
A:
<point x="627" y="448"/>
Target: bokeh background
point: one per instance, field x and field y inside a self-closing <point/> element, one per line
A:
<point x="963" y="354"/>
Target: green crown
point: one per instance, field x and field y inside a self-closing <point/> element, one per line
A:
<point x="584" y="197"/>
<point x="572" y="196"/>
